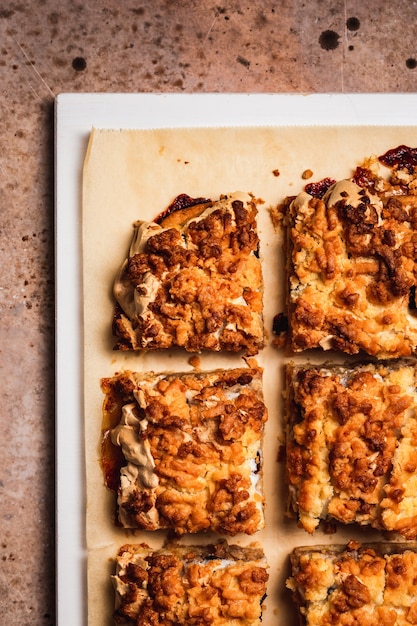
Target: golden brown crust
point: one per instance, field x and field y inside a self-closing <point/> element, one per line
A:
<point x="191" y="450"/>
<point x="215" y="585"/>
<point x="195" y="281"/>
<point x="370" y="585"/>
<point x="353" y="267"/>
<point x="351" y="441"/>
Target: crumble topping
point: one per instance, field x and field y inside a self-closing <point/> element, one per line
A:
<point x="215" y="585"/>
<point x="370" y="585"/>
<point x="183" y="451"/>
<point x="193" y="281"/>
<point x="353" y="265"/>
<point x="351" y="445"/>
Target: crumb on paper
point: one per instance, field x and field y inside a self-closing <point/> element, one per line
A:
<point x="277" y="214"/>
<point x="279" y="342"/>
<point x="281" y="455"/>
<point x="250" y="361"/>
<point x="307" y="174"/>
<point x="280" y="330"/>
<point x="195" y="362"/>
<point x="329" y="527"/>
<point x="276" y="172"/>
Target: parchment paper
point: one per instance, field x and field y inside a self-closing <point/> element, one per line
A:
<point x="130" y="175"/>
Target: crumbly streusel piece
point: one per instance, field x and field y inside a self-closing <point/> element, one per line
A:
<point x="216" y="585"/>
<point x="352" y="261"/>
<point x="194" y="280"/>
<point x="351" y="444"/>
<point x="374" y="585"/>
<point x="184" y="451"/>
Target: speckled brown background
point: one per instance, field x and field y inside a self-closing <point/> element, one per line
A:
<point x="51" y="47"/>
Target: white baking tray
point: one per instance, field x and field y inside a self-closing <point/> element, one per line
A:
<point x="75" y="116"/>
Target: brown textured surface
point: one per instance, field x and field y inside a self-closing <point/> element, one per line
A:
<point x="199" y="433"/>
<point x="200" y="267"/>
<point x="350" y="449"/>
<point x="353" y="269"/>
<point x="369" y="585"/>
<point x="218" y="585"/>
<point x="48" y="48"/>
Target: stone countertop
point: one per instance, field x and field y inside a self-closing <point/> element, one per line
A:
<point x="52" y="47"/>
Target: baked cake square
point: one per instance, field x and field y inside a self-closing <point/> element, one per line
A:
<point x="352" y="444"/>
<point x="193" y="280"/>
<point x="372" y="585"/>
<point x="184" y="451"/>
<point x="352" y="264"/>
<point x="217" y="585"/>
